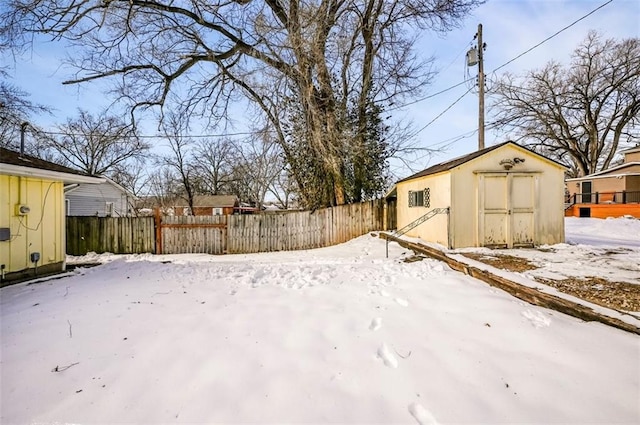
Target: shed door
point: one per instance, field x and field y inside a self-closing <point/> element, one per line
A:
<point x="507" y="206"/>
<point x="522" y="210"/>
<point x="494" y="211"/>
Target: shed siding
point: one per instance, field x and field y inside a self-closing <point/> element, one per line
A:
<point x="549" y="207"/>
<point x="41" y="230"/>
<point x="436" y="228"/>
<point x="540" y="206"/>
<point x="91" y="200"/>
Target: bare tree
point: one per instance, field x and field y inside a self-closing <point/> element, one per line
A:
<point x="97" y="145"/>
<point x="283" y="189"/>
<point x="133" y="176"/>
<point x="579" y="114"/>
<point x="164" y="188"/>
<point x="16" y="109"/>
<point x="214" y="161"/>
<point x="258" y="165"/>
<point x="206" y="53"/>
<point x="180" y="162"/>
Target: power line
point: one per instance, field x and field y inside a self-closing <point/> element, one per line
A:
<point x="442" y="113"/>
<point x="553" y="35"/>
<point x="159" y="136"/>
<point x="508" y="62"/>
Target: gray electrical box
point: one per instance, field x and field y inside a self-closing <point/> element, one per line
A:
<point x="5" y="233"/>
<point x="35" y="257"/>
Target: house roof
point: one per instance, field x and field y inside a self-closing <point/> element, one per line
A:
<point x="453" y="163"/>
<point x="15" y="163"/>
<point x="606" y="173"/>
<point x="214" y="201"/>
<point x="631" y="150"/>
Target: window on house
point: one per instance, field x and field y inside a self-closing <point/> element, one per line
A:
<point x="420" y="198"/>
<point x="217" y="211"/>
<point x="108" y="209"/>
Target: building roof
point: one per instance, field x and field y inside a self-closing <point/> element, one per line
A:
<point x="631" y="150"/>
<point x="15" y="163"/>
<point x="214" y="201"/>
<point x="606" y="173"/>
<point x="453" y="163"/>
<point x="16" y="158"/>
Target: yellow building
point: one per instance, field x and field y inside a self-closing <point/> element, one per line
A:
<point x="501" y="196"/>
<point x="32" y="214"/>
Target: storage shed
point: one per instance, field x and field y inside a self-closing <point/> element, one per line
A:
<point x="502" y="196"/>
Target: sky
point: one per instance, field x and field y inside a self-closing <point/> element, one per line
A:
<point x="332" y="335"/>
<point x="510" y="27"/>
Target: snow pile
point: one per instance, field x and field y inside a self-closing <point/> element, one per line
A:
<point x="334" y="335"/>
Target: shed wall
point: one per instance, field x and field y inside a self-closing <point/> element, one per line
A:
<point x="436" y="228"/>
<point x="41" y="230"/>
<point x="549" y="206"/>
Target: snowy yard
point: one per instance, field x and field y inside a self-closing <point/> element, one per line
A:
<point x="333" y="335"/>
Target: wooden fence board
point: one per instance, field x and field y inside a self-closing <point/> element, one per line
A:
<point x="118" y="235"/>
<point x="224" y="234"/>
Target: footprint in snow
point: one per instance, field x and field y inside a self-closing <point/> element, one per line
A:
<point x="376" y="324"/>
<point x="384" y="293"/>
<point x="537" y="319"/>
<point x="387" y="357"/>
<point x="402" y="302"/>
<point x="422" y="415"/>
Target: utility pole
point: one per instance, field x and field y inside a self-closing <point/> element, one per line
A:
<point x="480" y="89"/>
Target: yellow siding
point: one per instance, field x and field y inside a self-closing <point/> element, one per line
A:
<point x="436" y="228"/>
<point x="41" y="230"/>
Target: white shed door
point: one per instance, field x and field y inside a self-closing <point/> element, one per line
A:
<point x="506" y="208"/>
<point x="522" y="210"/>
<point x="494" y="211"/>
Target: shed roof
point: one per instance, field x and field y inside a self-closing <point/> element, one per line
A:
<point x="453" y="163"/>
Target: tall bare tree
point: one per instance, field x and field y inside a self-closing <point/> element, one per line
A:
<point x="16" y="109"/>
<point x="581" y="113"/>
<point x="259" y="163"/>
<point x="97" y="145"/>
<point x="202" y="54"/>
<point x="214" y="161"/>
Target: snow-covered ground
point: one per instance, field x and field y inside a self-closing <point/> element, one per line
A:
<point x="333" y="335"/>
<point x="609" y="249"/>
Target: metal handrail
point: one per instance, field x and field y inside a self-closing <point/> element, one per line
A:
<point x="417" y="222"/>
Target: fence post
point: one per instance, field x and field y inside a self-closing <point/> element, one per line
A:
<point x="624" y="196"/>
<point x="597" y="197"/>
<point x="158" y="228"/>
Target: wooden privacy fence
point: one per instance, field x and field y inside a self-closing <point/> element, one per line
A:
<point x="119" y="235"/>
<point x="234" y="234"/>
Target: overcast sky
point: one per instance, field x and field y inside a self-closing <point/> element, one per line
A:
<point x="510" y="27"/>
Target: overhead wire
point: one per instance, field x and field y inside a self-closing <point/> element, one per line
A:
<point x="406" y="104"/>
<point x="506" y="63"/>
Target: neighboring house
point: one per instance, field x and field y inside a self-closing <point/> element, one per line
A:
<point x="32" y="214"/>
<point x="610" y="193"/>
<point x="208" y="205"/>
<point x="107" y="199"/>
<point x="501" y="196"/>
